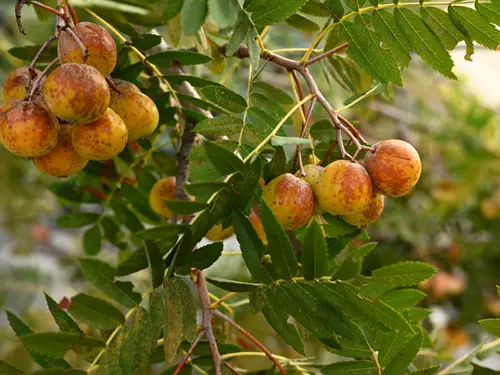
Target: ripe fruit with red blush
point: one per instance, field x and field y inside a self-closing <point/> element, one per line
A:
<point x="369" y="213"/>
<point x="291" y="199"/>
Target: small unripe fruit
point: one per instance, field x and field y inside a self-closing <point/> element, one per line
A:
<point x="102" y="139"/>
<point x="62" y="160"/>
<point x="258" y="227"/>
<point x="216" y="233"/>
<point x="100" y="46"/>
<point x="138" y="112"/>
<point x="14" y="87"/>
<point x="162" y="190"/>
<point x="343" y="188"/>
<point x="369" y="213"/>
<point x="394" y="167"/>
<point x="76" y="92"/>
<point x="313" y="172"/>
<point x="29" y="129"/>
<point x="291" y="200"/>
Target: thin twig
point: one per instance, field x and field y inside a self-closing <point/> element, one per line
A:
<point x="31" y="68"/>
<point x="206" y="322"/>
<point x="354" y="131"/>
<point x="20" y="4"/>
<point x="231" y="368"/>
<point x="111" y="84"/>
<point x="72" y="13"/>
<point x="189" y="352"/>
<point x="300" y="91"/>
<point x="329" y="152"/>
<point x="303" y="135"/>
<point x="40" y="77"/>
<point x="78" y="41"/>
<point x="326" y="54"/>
<point x="249" y="336"/>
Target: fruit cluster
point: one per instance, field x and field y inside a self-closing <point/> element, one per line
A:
<point x="72" y="116"/>
<point x="344" y="188"/>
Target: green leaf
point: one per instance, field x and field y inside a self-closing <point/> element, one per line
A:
<point x="479" y="29"/>
<point x="233" y="285"/>
<point x="164" y="59"/>
<point x="142" y="330"/>
<point x="427" y="371"/>
<point x="278" y="319"/>
<point x="95" y="312"/>
<point x="145" y="41"/>
<point x="195" y="81"/>
<point x="155" y="260"/>
<point x="125" y="216"/>
<point x="219" y="126"/>
<point x="58" y="371"/>
<point x="188" y="307"/>
<point x="336" y="7"/>
<point x="336" y="227"/>
<point x="193" y="15"/>
<point x="205" y="256"/>
<point x="27" y="53"/>
<point x="224" y="12"/>
<point x="491" y="326"/>
<point x="77" y="219"/>
<point x="58" y="343"/>
<point x="172" y="329"/>
<point x="92" y="240"/>
<point x="244" y="184"/>
<point x="277" y="94"/>
<point x="403" y="273"/>
<point x="172" y="9"/>
<point x="351" y="368"/>
<point x="224" y="160"/>
<point x="6" y="369"/>
<point x="399" y="364"/>
<point x="240" y="32"/>
<point x="184" y="207"/>
<point x="21" y="329"/>
<point x="314" y="253"/>
<point x="135" y="262"/>
<point x="424" y="42"/>
<point x="101" y="275"/>
<point x="156" y="316"/>
<point x="279" y="246"/>
<point x="205" y="189"/>
<point x="388" y="32"/>
<point x="323" y="130"/>
<point x="302" y="23"/>
<point x="167" y="163"/>
<point x="252" y="249"/>
<point x="316" y="9"/>
<point x="253" y="48"/>
<point x="139" y="200"/>
<point x="364" y="49"/>
<point x="490" y="11"/>
<point x="440" y="22"/>
<point x="269" y="12"/>
<point x="403" y="298"/>
<point x="162" y="232"/>
<point x="61" y="317"/>
<point x="281" y="141"/>
<point x="224" y="98"/>
<point x="110" y="364"/>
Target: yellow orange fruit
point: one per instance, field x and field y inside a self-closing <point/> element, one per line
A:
<point x="14" y="87"/>
<point x="291" y="199"/>
<point x="162" y="190"/>
<point x="101" y="139"/>
<point x="313" y="173"/>
<point x="28" y="129"/>
<point x="62" y="160"/>
<point x="369" y="213"/>
<point x="216" y="233"/>
<point x="343" y="188"/>
<point x="394" y="167"/>
<point x="100" y="46"/>
<point x="258" y="227"/>
<point x="76" y="92"/>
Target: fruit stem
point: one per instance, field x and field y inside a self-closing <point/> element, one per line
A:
<point x="111" y="84"/>
<point x="40" y="77"/>
<point x="329" y="152"/>
<point x="303" y="135"/>
<point x="76" y="38"/>
<point x="20" y="4"/>
<point x="72" y="12"/>
<point x="31" y="68"/>
<point x="326" y="54"/>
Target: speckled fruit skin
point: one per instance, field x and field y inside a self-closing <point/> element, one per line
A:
<point x="102" y="139"/>
<point x="394" y="167"/>
<point x="100" y="46"/>
<point x="62" y="160"/>
<point x="29" y="129"/>
<point x="76" y="92"/>
<point x="163" y="189"/>
<point x="123" y="86"/>
<point x="369" y="213"/>
<point x="291" y="199"/>
<point x="138" y="112"/>
<point x="14" y="87"/>
<point x="343" y="188"/>
<point x="313" y="173"/>
<point x="216" y="233"/>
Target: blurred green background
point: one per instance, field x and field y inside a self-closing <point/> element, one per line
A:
<point x="452" y="219"/>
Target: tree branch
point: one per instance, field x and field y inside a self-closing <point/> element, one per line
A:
<point x="189" y="352"/>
